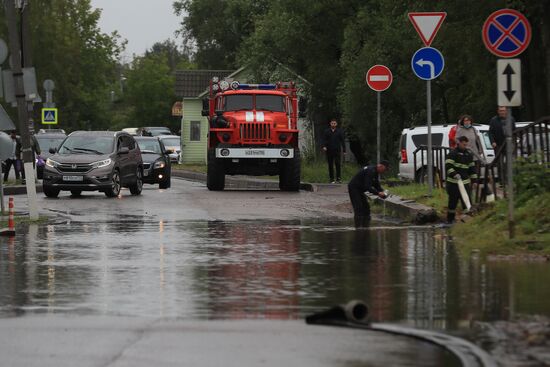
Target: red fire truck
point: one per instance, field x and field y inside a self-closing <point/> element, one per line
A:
<point x="253" y="131"/>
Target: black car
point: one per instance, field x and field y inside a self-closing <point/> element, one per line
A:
<point x="156" y="161"/>
<point x="154" y="131"/>
<point x="102" y="161"/>
<point x="48" y="140"/>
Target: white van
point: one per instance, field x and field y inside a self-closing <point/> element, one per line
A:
<point x="414" y="137"/>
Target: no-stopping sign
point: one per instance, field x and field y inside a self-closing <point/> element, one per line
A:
<point x="506" y="33"/>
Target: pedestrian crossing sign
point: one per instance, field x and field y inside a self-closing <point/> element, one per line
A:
<point x="49" y="116"/>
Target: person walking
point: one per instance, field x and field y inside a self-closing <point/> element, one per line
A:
<point x="367" y="179"/>
<point x="459" y="165"/>
<point x="497" y="128"/>
<point x="333" y="145"/>
<point x="466" y="128"/>
<point x="35" y="148"/>
<point x="13" y="160"/>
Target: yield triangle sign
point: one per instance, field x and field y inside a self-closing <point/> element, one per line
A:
<point x="427" y="24"/>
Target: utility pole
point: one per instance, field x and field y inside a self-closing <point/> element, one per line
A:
<point x="17" y="57"/>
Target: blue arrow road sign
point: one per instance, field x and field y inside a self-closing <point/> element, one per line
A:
<point x="427" y="63"/>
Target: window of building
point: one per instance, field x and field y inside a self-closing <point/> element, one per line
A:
<point x="195" y="133"/>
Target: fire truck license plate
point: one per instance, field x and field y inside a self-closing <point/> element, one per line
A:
<point x="271" y="153"/>
<point x="255" y="153"/>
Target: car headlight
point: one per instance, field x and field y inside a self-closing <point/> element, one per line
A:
<point x="51" y="163"/>
<point x="159" y="164"/>
<point x="103" y="163"/>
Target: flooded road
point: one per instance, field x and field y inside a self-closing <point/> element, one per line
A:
<point x="145" y="257"/>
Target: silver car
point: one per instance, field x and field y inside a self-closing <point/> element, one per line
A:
<point x="172" y="143"/>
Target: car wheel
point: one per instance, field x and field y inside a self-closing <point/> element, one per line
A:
<point x="215" y="172"/>
<point x="136" y="188"/>
<point x="76" y="193"/>
<point x="50" y="191"/>
<point x="289" y="173"/>
<point x="164" y="184"/>
<point x="114" y="190"/>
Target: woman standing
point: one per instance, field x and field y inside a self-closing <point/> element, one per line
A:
<point x="467" y="129"/>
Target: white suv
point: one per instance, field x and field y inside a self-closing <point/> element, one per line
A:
<point x="414" y="137"/>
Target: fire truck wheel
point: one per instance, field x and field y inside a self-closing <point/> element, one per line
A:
<point x="289" y="175"/>
<point x="215" y="175"/>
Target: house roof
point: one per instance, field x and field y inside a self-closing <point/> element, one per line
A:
<point x="191" y="83"/>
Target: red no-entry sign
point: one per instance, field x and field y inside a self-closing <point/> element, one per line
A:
<point x="379" y="78"/>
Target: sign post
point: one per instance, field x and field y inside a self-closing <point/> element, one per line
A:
<point x="428" y="63"/>
<point x="507" y="33"/>
<point x="379" y="78"/>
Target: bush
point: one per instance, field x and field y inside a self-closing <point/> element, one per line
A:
<point x="532" y="178"/>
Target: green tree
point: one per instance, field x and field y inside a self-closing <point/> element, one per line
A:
<point x="176" y="58"/>
<point x="215" y="29"/>
<point x="150" y="91"/>
<point x="69" y="48"/>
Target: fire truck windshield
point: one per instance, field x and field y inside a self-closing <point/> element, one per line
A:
<point x="238" y="102"/>
<point x="270" y="103"/>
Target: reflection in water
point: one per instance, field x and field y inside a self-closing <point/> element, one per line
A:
<point x="251" y="269"/>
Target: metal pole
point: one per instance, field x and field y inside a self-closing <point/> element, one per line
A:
<point x="378" y="128"/>
<point x="509" y="172"/>
<point x="429" y="116"/>
<point x="16" y="58"/>
<point x="2" y="189"/>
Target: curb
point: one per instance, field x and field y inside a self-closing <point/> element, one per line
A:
<point x="240" y="182"/>
<point x="408" y="210"/>
<point x="19" y="189"/>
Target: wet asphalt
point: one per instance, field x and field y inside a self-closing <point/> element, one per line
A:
<point x="189" y="254"/>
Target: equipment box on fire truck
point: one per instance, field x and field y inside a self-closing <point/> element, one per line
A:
<point x="253" y="131"/>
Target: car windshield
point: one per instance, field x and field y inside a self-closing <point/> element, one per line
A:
<point x="149" y="146"/>
<point x="171" y="142"/>
<point x="162" y="131"/>
<point x="87" y="144"/>
<point x="270" y="103"/>
<point x="239" y="102"/>
<point x="47" y="143"/>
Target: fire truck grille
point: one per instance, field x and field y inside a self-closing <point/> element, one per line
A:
<point x="255" y="132"/>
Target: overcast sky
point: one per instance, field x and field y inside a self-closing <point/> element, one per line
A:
<point x="141" y="22"/>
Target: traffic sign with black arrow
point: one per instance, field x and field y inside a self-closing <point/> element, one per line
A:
<point x="509" y="82"/>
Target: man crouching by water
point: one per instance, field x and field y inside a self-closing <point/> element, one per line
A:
<point x="367" y="179"/>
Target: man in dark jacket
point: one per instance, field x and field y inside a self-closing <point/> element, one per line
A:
<point x="497" y="128"/>
<point x="333" y="144"/>
<point x="14" y="158"/>
<point x="367" y="179"/>
<point x="459" y="165"/>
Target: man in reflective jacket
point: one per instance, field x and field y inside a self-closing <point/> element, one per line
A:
<point x="459" y="165"/>
<point x="366" y="180"/>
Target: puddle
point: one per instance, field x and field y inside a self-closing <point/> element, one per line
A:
<point x="134" y="265"/>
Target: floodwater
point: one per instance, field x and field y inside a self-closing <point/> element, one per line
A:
<point x="260" y="270"/>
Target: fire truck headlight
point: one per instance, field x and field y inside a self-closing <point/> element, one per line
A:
<point x="284" y="152"/>
<point x="215" y="87"/>
<point x="224" y="85"/>
<point x="224" y="152"/>
<point x="226" y="137"/>
<point x="215" y="79"/>
<point x="282" y="138"/>
<point x="234" y="85"/>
